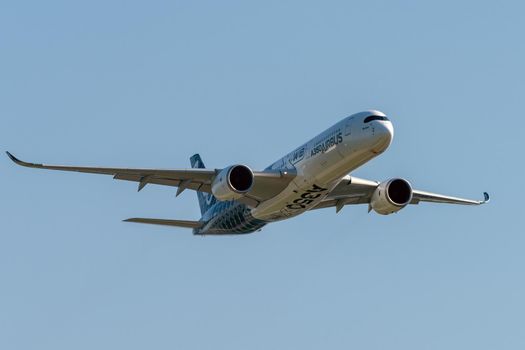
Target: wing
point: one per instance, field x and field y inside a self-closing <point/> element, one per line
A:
<point x="421" y="196"/>
<point x="353" y="190"/>
<point x="266" y="184"/>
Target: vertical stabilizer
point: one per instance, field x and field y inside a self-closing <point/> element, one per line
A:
<point x="206" y="200"/>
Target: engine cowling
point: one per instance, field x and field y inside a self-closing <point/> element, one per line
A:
<point x="232" y="182"/>
<point x="391" y="196"/>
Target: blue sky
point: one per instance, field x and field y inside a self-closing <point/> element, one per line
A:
<point x="136" y="84"/>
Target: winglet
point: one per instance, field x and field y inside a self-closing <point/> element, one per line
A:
<point x="13" y="158"/>
<point x="487" y="198"/>
<point x="21" y="162"/>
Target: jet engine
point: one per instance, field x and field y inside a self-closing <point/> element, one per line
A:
<point x="391" y="196"/>
<point x="232" y="182"/>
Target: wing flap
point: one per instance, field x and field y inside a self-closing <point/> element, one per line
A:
<point x="192" y="185"/>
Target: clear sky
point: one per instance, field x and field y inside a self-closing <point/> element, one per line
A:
<point x="147" y="84"/>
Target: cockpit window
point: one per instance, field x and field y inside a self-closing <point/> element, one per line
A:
<point x="374" y="117"/>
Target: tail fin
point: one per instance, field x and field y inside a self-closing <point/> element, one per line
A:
<point x="206" y="200"/>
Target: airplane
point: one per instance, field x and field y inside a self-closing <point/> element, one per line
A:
<point x="316" y="175"/>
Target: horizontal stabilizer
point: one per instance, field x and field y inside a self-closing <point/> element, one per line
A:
<point x="178" y="223"/>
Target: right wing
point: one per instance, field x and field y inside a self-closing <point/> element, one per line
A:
<point x="195" y="179"/>
<point x="266" y="184"/>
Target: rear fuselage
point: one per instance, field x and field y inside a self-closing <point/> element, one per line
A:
<point x="320" y="164"/>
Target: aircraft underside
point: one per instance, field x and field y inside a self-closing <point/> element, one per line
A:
<point x="230" y="218"/>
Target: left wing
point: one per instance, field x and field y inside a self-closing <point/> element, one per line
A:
<point x="266" y="184"/>
<point x="353" y="190"/>
<point x="421" y="196"/>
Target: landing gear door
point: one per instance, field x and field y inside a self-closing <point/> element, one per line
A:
<point x="348" y="126"/>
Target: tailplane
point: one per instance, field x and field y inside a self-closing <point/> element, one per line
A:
<point x="178" y="223"/>
<point x="206" y="200"/>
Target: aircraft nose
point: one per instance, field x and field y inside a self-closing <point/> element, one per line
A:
<point x="383" y="135"/>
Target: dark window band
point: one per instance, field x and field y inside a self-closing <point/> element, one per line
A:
<point x="374" y="117"/>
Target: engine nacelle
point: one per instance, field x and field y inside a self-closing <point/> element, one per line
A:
<point x="391" y="196"/>
<point x="232" y="182"/>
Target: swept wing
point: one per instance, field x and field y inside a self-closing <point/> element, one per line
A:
<point x="354" y="190"/>
<point x="266" y="184"/>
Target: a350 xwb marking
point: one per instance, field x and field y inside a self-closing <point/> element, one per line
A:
<point x="307" y="198"/>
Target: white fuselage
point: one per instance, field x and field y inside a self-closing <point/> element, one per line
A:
<point x="323" y="161"/>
